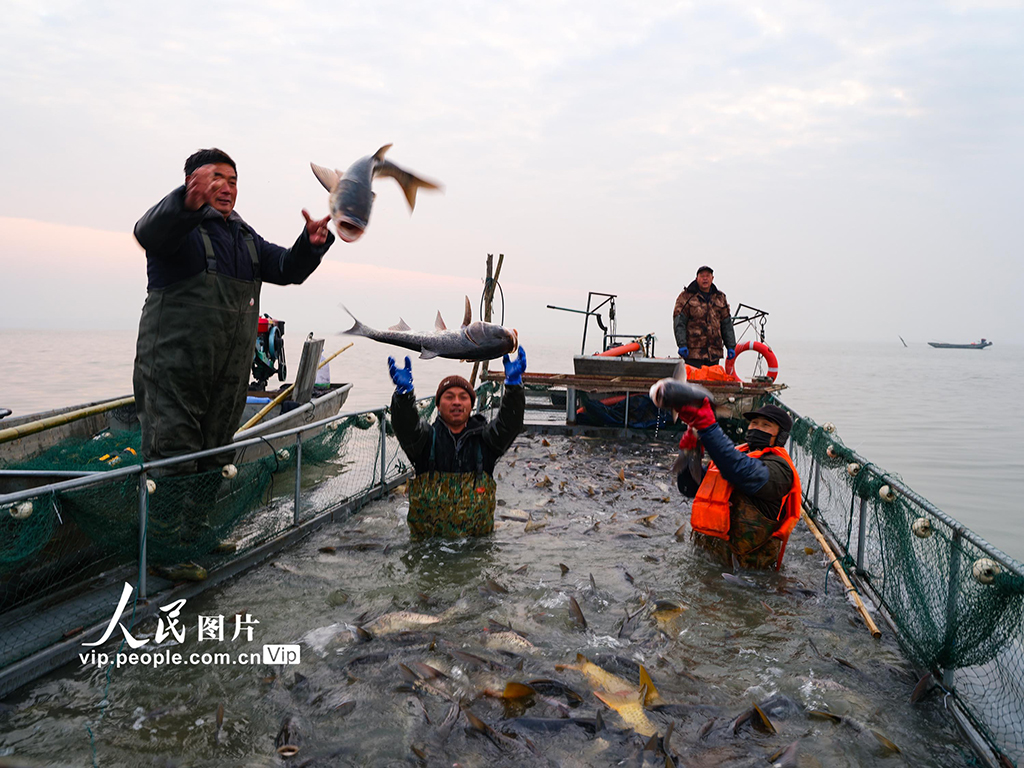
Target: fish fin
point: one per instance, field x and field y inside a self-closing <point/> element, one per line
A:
<point x="620" y="699"/>
<point x="469" y="336"/>
<point x="680" y="463"/>
<point x="428" y="354"/>
<point x="357" y="329"/>
<point x="598" y="721"/>
<point x="439" y="323"/>
<point x="409" y="182"/>
<point x="379" y="154"/>
<point x="679" y="373"/>
<point x="326" y="176"/>
<point x="401" y="325"/>
<point x="467" y="316"/>
<point x="651" y="696"/>
<point x="766" y="723"/>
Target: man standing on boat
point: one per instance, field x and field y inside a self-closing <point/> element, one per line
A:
<point x="702" y="322"/>
<point x="198" y="329"/>
<point x="749" y="500"/>
<point x="452" y="494"/>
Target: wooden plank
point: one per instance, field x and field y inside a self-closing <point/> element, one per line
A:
<point x="305" y="377"/>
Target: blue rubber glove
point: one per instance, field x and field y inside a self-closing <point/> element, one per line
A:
<point x="514" y="369"/>
<point x="402" y="377"/>
<point x="684" y="351"/>
<point x="730" y="354"/>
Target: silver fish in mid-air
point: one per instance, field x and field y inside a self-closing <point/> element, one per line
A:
<point x="675" y="392"/>
<point x="473" y="341"/>
<point x="352" y="195"/>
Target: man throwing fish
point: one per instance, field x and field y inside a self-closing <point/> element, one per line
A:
<point x="702" y="322"/>
<point x="452" y="494"/>
<point x="198" y="326"/>
<point x="749" y="500"/>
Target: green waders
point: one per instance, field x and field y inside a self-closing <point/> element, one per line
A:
<point x="451" y="505"/>
<point x="196" y="341"/>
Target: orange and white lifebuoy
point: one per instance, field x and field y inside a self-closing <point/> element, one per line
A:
<point x="764" y="350"/>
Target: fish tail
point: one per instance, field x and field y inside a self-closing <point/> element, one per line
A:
<point x="410" y="184"/>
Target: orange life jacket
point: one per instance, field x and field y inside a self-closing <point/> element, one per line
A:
<point x="710" y="513"/>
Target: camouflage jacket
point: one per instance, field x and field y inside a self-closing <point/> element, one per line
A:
<point x="703" y="322"/>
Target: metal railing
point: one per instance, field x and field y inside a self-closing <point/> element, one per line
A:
<point x="933" y="580"/>
<point x="369" y="469"/>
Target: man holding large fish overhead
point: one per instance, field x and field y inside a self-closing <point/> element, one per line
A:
<point x="749" y="499"/>
<point x="452" y="494"/>
<point x="198" y="326"/>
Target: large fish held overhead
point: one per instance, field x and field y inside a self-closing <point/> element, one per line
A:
<point x="352" y="195"/>
<point x="675" y="392"/>
<point x="474" y="340"/>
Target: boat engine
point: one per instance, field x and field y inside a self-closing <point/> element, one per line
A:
<point x="268" y="357"/>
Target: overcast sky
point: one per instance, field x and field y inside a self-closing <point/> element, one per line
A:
<point x="855" y="168"/>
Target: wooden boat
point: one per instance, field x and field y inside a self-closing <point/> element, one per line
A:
<point x="973" y="345"/>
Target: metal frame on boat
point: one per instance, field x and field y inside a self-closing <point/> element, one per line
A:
<point x="46" y="632"/>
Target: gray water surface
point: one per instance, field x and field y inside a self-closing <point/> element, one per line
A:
<point x="731" y="645"/>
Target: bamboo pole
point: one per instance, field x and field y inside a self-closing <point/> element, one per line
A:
<point x="277" y="400"/>
<point x="64" y="418"/>
<point x="850" y="589"/>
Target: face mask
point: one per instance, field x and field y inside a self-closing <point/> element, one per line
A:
<point x="758" y="439"/>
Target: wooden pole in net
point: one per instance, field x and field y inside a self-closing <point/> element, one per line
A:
<point x="492" y="280"/>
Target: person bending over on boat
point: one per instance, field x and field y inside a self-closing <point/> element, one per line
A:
<point x="452" y="494"/>
<point x="749" y="500"/>
<point x="702" y="322"/>
<point x="198" y="329"/>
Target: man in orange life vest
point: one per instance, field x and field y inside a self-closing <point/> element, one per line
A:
<point x="749" y="500"/>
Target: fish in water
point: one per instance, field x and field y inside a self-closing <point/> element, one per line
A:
<point x="289" y="738"/>
<point x="630" y="707"/>
<point x="352" y="194"/>
<point x="675" y="392"/>
<point x="180" y="572"/>
<point x="473" y="341"/>
<point x="400" y="621"/>
<point x="599" y="676"/>
<point x="509" y="641"/>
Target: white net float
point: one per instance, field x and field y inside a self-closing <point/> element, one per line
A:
<point x="150" y="486"/>
<point x="229" y="472"/>
<point x="922" y="527"/>
<point x="985" y="570"/>
<point x="886" y="493"/>
<point x="852" y="468"/>
<point x="22" y="511"/>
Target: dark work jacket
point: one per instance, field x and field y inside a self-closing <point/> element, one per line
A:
<point x="764" y="481"/>
<point x="480" y="441"/>
<point x="174" y="247"/>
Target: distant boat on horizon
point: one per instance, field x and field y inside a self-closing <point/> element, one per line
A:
<point x="974" y="345"/>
